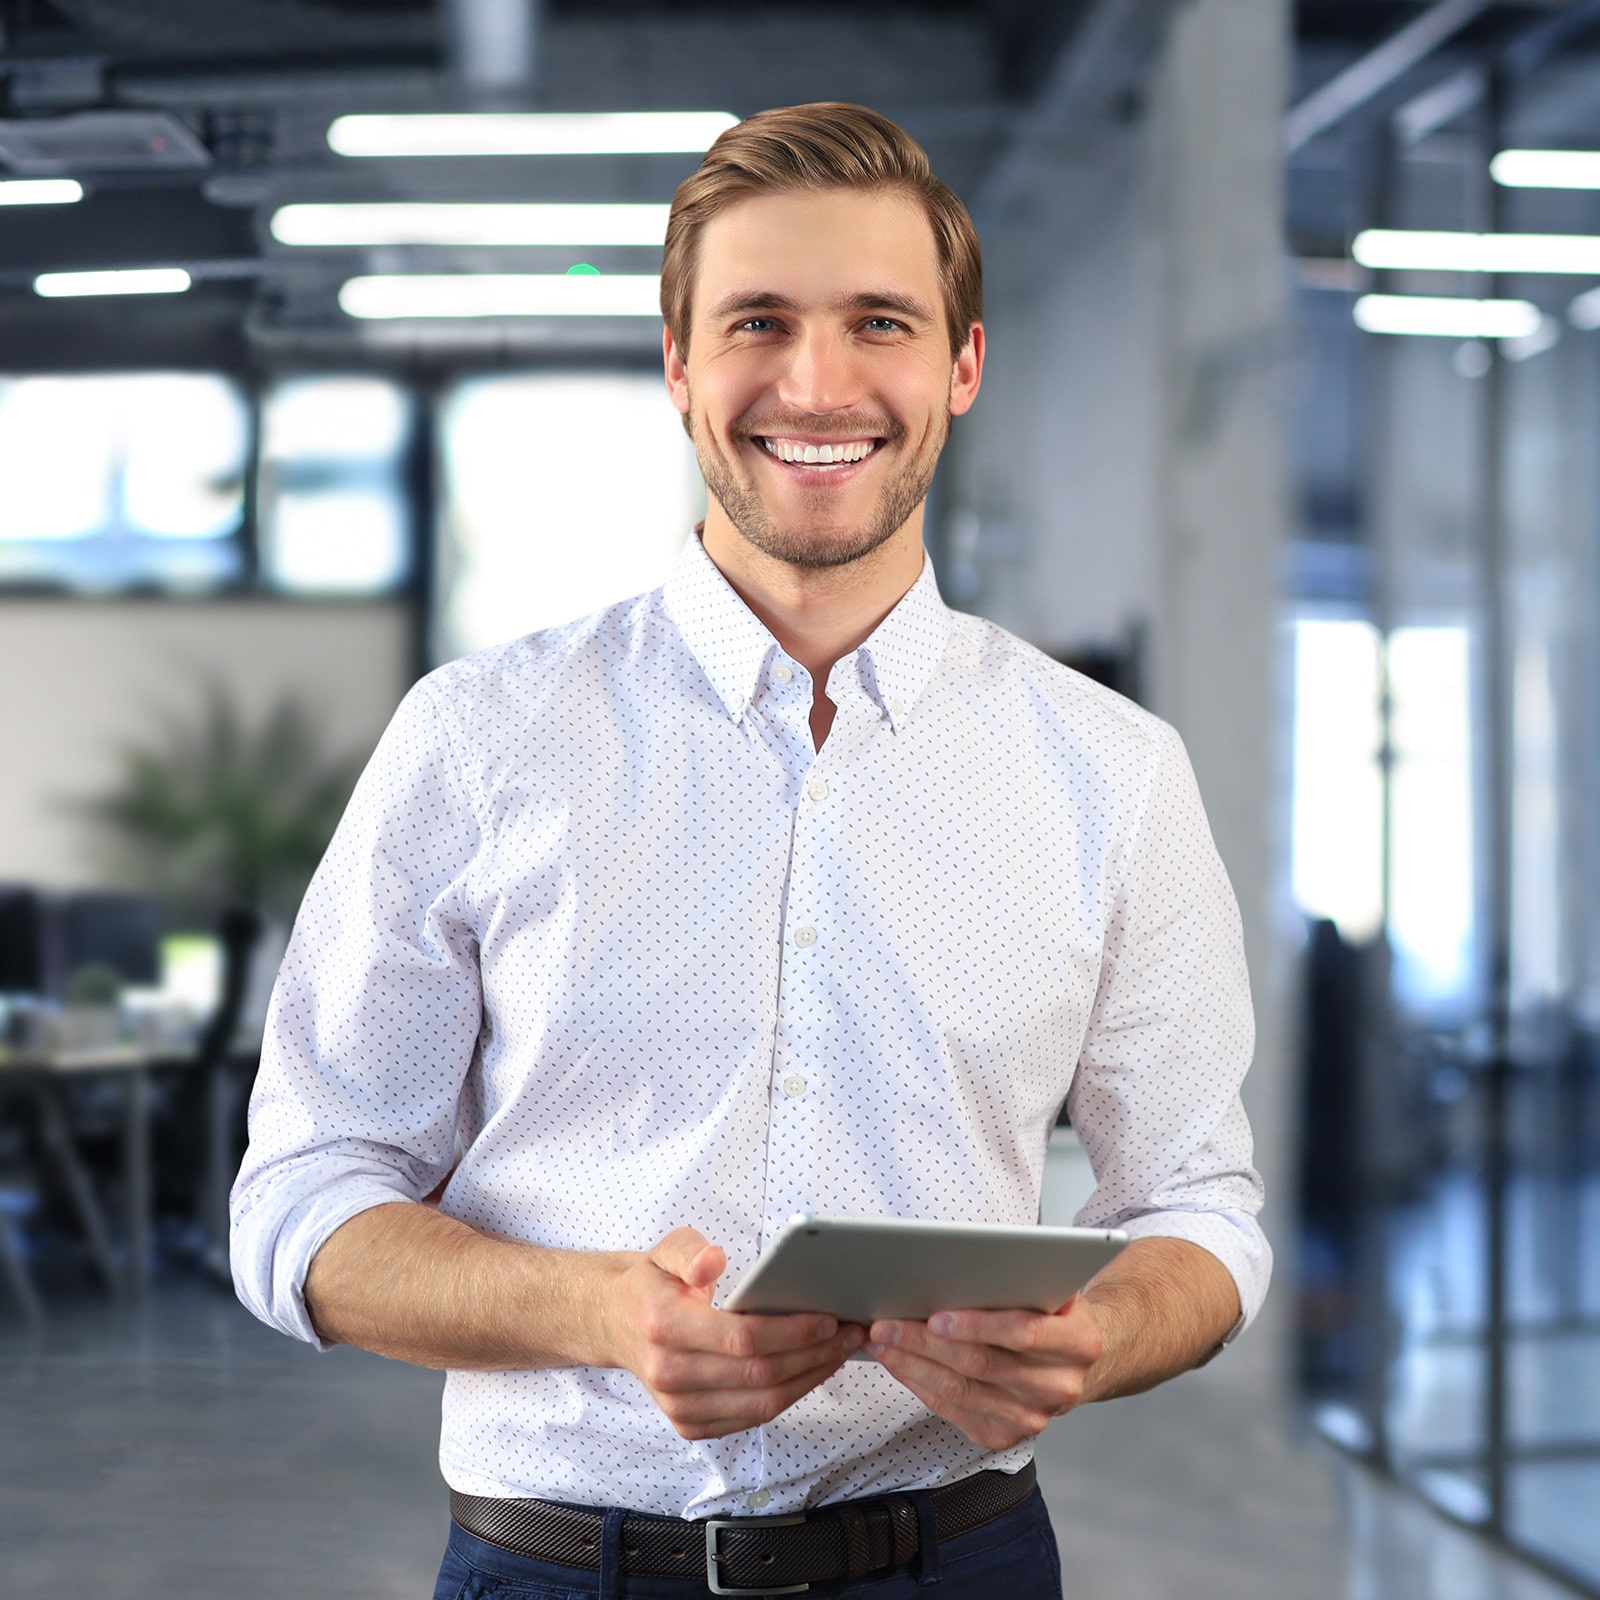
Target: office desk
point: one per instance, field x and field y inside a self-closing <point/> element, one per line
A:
<point x="44" y="1073"/>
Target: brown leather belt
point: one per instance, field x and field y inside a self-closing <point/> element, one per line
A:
<point x="747" y="1555"/>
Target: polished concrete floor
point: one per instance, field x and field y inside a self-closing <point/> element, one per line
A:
<point x="183" y="1452"/>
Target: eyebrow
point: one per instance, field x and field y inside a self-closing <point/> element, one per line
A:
<point x="753" y="300"/>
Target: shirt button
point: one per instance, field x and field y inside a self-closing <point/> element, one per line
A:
<point x="784" y="673"/>
<point x="817" y="789"/>
<point x="759" y="1501"/>
<point x="898" y="707"/>
<point x="794" y="1086"/>
<point x="805" y="936"/>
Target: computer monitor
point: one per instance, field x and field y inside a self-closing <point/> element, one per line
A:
<point x="120" y="931"/>
<point x="23" y="961"/>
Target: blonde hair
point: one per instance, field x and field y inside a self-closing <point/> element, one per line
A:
<point x="828" y="145"/>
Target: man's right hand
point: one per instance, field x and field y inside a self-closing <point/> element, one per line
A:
<point x="714" y="1372"/>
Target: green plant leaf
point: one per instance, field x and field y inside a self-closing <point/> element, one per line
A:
<point x="210" y="809"/>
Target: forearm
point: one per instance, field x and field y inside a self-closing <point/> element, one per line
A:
<point x="409" y="1282"/>
<point x="1163" y="1306"/>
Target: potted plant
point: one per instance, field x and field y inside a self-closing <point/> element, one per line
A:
<point x="223" y="818"/>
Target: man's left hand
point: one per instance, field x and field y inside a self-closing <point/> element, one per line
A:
<point x="999" y="1376"/>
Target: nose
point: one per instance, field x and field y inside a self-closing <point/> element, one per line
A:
<point x="821" y="375"/>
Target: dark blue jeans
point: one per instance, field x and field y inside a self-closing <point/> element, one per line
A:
<point x="1013" y="1557"/>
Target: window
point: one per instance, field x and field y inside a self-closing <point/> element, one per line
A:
<point x="562" y="492"/>
<point x="120" y="480"/>
<point x="332" y="496"/>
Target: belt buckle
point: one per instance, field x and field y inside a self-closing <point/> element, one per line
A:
<point x="713" y="1582"/>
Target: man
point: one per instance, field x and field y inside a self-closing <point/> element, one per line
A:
<point x="779" y="889"/>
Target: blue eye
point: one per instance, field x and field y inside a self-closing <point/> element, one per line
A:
<point x="883" y="324"/>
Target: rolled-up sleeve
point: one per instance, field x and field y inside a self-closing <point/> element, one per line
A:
<point x="1155" y="1100"/>
<point x="374" y="1020"/>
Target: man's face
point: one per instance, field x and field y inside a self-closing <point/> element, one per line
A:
<point x="818" y="382"/>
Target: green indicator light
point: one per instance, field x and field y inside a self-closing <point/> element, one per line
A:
<point x="583" y="270"/>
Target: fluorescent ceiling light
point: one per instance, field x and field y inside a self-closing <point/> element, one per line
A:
<point x="470" y="224"/>
<point x="1547" y="169"/>
<point x="531" y="294"/>
<point x="40" y="191"/>
<point x="1478" y="252"/>
<point x="138" y="280"/>
<point x="504" y="133"/>
<point x="1446" y="318"/>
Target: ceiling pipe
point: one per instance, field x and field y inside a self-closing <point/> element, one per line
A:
<point x="1375" y="71"/>
<point x="1107" y="55"/>
<point x="492" y="46"/>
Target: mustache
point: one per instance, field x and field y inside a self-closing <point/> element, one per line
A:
<point x="778" y="425"/>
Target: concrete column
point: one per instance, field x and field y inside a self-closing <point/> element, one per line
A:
<point x="1216" y="149"/>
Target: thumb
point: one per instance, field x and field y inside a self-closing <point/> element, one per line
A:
<point x="689" y="1256"/>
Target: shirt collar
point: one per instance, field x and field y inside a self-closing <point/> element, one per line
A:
<point x="732" y="644"/>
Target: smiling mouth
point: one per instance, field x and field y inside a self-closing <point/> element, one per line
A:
<point x="818" y="457"/>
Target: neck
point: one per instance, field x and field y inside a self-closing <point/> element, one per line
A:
<point x="818" y="614"/>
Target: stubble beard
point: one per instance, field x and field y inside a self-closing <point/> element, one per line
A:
<point x="739" y="498"/>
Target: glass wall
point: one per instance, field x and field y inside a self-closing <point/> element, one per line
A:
<point x="1447" y="850"/>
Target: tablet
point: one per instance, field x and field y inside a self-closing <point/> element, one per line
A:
<point x="862" y="1268"/>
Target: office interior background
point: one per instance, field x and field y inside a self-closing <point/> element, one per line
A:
<point x="1290" y="431"/>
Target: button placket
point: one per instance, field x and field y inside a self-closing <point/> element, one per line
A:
<point x="792" y="1156"/>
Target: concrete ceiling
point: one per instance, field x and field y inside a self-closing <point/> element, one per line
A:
<point x="258" y="81"/>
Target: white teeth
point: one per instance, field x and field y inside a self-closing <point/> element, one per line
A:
<point x="826" y="455"/>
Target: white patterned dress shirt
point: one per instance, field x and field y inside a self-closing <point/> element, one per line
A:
<point x="599" y="908"/>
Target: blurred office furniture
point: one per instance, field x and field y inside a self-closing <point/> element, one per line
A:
<point x="22" y="940"/>
<point x="1328" y="1159"/>
<point x="225" y="1063"/>
<point x="1120" y="669"/>
<point x="46" y="938"/>
<point x="51" y="1161"/>
<point x="118" y="931"/>
<point x="18" y="1199"/>
<point x="152" y="1122"/>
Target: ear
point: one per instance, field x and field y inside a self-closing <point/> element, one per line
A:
<point x="967" y="373"/>
<point x="677" y="373"/>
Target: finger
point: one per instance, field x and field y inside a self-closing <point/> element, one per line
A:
<point x="715" y="1413"/>
<point x="688" y="1255"/>
<point x="684" y="1371"/>
<point x="990" y="1416"/>
<point x="1036" y="1383"/>
<point x="686" y="1323"/>
<point x="1054" y="1336"/>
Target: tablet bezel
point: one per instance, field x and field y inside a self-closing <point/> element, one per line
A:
<point x="861" y="1268"/>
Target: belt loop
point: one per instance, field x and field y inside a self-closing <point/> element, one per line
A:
<point x="857" y="1549"/>
<point x="903" y="1528"/>
<point x="928" y="1568"/>
<point x="611" y="1554"/>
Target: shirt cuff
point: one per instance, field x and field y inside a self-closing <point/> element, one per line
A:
<point x="269" y="1273"/>
<point x="1233" y="1238"/>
